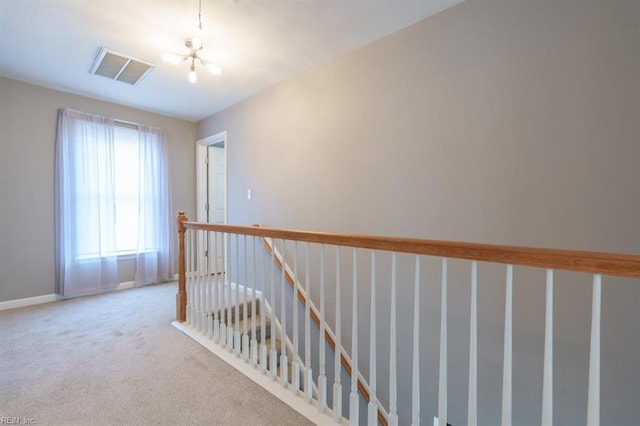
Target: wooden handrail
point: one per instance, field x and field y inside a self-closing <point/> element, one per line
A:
<point x="613" y="264"/>
<point x="624" y="265"/>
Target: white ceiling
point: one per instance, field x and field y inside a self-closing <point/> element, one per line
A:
<point x="257" y="43"/>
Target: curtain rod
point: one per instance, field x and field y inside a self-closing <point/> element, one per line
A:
<point x="126" y="123"/>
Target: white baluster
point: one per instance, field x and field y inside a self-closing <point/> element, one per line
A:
<point x="393" y="382"/>
<point x="353" y="396"/>
<point x="223" y="292"/>
<point x="245" y="311"/>
<point x="442" y="382"/>
<point x="201" y="284"/>
<point x="194" y="277"/>
<point x="231" y="284"/>
<point x="322" y="378"/>
<point x="272" y="294"/>
<point x="212" y="286"/>
<point x="337" y="385"/>
<point x="216" y="291"/>
<point x="204" y="277"/>
<point x="308" y="382"/>
<point x="205" y="286"/>
<point x="507" y="371"/>
<point x="194" y="281"/>
<point x="195" y="318"/>
<point x="237" y="341"/>
<point x="204" y="280"/>
<point x="209" y="288"/>
<point x="593" y="406"/>
<point x="263" y="317"/>
<point x="284" y="369"/>
<point x="230" y="296"/>
<point x="372" y="413"/>
<point x="415" y="390"/>
<point x="472" y="405"/>
<point x="187" y="264"/>
<point x="230" y="290"/>
<point x="547" y="381"/>
<point x="254" y="301"/>
<point x="222" y="276"/>
<point x="192" y="289"/>
<point x="295" y="380"/>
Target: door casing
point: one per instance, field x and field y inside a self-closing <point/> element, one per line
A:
<point x="203" y="171"/>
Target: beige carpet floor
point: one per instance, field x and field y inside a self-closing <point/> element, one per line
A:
<point x="115" y="359"/>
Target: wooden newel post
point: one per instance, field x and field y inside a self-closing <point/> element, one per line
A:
<point x="181" y="296"/>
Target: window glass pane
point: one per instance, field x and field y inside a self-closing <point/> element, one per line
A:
<point x="127" y="188"/>
<point x="100" y="169"/>
<point x="90" y="186"/>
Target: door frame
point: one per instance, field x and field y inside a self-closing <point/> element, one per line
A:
<point x="202" y="146"/>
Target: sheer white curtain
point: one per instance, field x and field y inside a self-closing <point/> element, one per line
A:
<point x="112" y="199"/>
<point x="154" y="207"/>
<point x="85" y="199"/>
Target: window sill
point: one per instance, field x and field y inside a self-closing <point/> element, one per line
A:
<point x="119" y="256"/>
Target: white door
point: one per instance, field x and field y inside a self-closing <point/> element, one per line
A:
<point x="216" y="199"/>
<point x="211" y="197"/>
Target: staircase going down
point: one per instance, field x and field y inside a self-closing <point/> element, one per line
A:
<point x="243" y="335"/>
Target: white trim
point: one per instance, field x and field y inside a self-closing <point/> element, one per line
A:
<point x="129" y="284"/>
<point x="296" y="402"/>
<point x="202" y="148"/>
<point x="47" y="298"/>
<point x="29" y="301"/>
<point x="201" y="173"/>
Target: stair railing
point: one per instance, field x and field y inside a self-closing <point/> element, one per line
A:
<point x="205" y="301"/>
<point x="300" y="293"/>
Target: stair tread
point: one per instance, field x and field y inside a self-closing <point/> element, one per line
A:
<point x="249" y="322"/>
<point x="268" y="340"/>
<point x="232" y="309"/>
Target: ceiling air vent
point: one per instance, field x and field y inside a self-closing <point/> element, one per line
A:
<point x="116" y="66"/>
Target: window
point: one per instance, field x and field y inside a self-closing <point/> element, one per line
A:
<point x="123" y="195"/>
<point x="112" y="197"/>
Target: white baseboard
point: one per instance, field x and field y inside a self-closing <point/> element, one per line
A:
<point x="37" y="300"/>
<point x="297" y="402"/>
<point x="128" y="284"/>
<point x="28" y="301"/>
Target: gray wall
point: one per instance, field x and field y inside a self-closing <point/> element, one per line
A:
<point x="28" y="117"/>
<point x="501" y="121"/>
